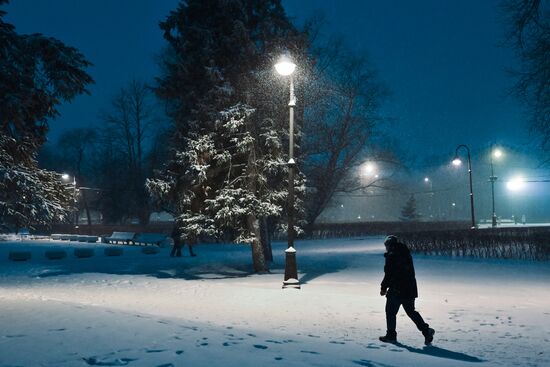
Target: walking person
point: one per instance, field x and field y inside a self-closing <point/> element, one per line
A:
<point x="399" y="287"/>
<point x="178" y="243"/>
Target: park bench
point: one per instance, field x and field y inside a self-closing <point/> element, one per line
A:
<point x="150" y="238"/>
<point x="124" y="237"/>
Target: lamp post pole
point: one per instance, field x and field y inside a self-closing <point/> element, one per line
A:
<point x="495" y="153"/>
<point x="470" y="175"/>
<point x="493" y="178"/>
<point x="286" y="67"/>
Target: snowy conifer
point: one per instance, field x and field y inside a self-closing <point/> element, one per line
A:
<point x="36" y="74"/>
<point x="229" y="169"/>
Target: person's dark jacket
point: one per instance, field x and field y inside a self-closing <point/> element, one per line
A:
<point x="399" y="278"/>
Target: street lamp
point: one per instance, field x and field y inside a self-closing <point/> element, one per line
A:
<point x="495" y="153"/>
<point x="286" y="67"/>
<point x="458" y="162"/>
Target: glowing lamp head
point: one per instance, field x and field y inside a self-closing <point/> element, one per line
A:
<point x="65" y="177"/>
<point x="497" y="153"/>
<point x="369" y="169"/>
<point x="285" y="66"/>
<point x="457" y="162"/>
<point x="426" y="179"/>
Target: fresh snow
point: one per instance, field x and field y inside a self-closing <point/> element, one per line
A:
<point x="210" y="310"/>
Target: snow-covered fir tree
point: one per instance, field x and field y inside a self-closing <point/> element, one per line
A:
<point x="228" y="175"/>
<point x="36" y="74"/>
<point x="408" y="212"/>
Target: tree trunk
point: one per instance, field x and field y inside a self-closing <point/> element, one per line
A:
<point x="265" y="239"/>
<point x="258" y="259"/>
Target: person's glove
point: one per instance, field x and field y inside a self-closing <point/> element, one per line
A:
<point x="383" y="291"/>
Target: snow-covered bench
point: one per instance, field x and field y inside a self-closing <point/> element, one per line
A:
<point x="150" y="238"/>
<point x="124" y="237"/>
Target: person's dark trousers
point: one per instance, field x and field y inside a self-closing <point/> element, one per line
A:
<point x="176" y="250"/>
<point x="392" y="307"/>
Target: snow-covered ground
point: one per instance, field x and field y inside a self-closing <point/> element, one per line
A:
<point x="153" y="310"/>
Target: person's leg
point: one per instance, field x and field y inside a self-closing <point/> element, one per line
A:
<point x="428" y="332"/>
<point x="191" y="253"/>
<point x="392" y="307"/>
<point x="408" y="305"/>
<point x="178" y="250"/>
<point x="173" y="252"/>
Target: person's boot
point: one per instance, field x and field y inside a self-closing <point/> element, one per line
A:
<point x="428" y="336"/>
<point x="390" y="337"/>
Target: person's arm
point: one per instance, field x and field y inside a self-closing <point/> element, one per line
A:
<point x="388" y="275"/>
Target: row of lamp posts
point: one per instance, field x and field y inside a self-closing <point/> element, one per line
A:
<point x="495" y="153"/>
<point x="286" y="67"/>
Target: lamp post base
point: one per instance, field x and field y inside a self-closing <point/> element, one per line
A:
<point x="291" y="270"/>
<point x="494" y="221"/>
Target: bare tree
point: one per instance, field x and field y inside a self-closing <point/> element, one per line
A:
<point x="74" y="147"/>
<point x="340" y="120"/>
<point x="129" y="126"/>
<point x="529" y="34"/>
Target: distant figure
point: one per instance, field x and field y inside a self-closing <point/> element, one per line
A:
<point x="399" y="287"/>
<point x="178" y="243"/>
<point x="523" y="219"/>
<point x="515" y="219"/>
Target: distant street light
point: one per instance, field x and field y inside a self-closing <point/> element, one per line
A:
<point x="516" y="184"/>
<point x="286" y="67"/>
<point x="369" y="169"/>
<point x="458" y="162"/>
<point x="66" y="177"/>
<point x="495" y="153"/>
<point x="427" y="181"/>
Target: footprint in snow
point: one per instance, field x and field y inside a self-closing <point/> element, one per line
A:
<point x="179" y="352"/>
<point x="365" y="362"/>
<point x="273" y="341"/>
<point x="15" y="336"/>
<point x="154" y="350"/>
<point x="278" y="358"/>
<point x="251" y="335"/>
<point x="62" y="329"/>
<point x="166" y="365"/>
<point x="93" y="361"/>
<point x="309" y="352"/>
<point x="336" y="342"/>
<point x="259" y="346"/>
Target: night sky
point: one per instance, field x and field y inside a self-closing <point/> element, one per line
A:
<point x="442" y="60"/>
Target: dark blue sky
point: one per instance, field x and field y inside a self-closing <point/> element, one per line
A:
<point x="442" y="60"/>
